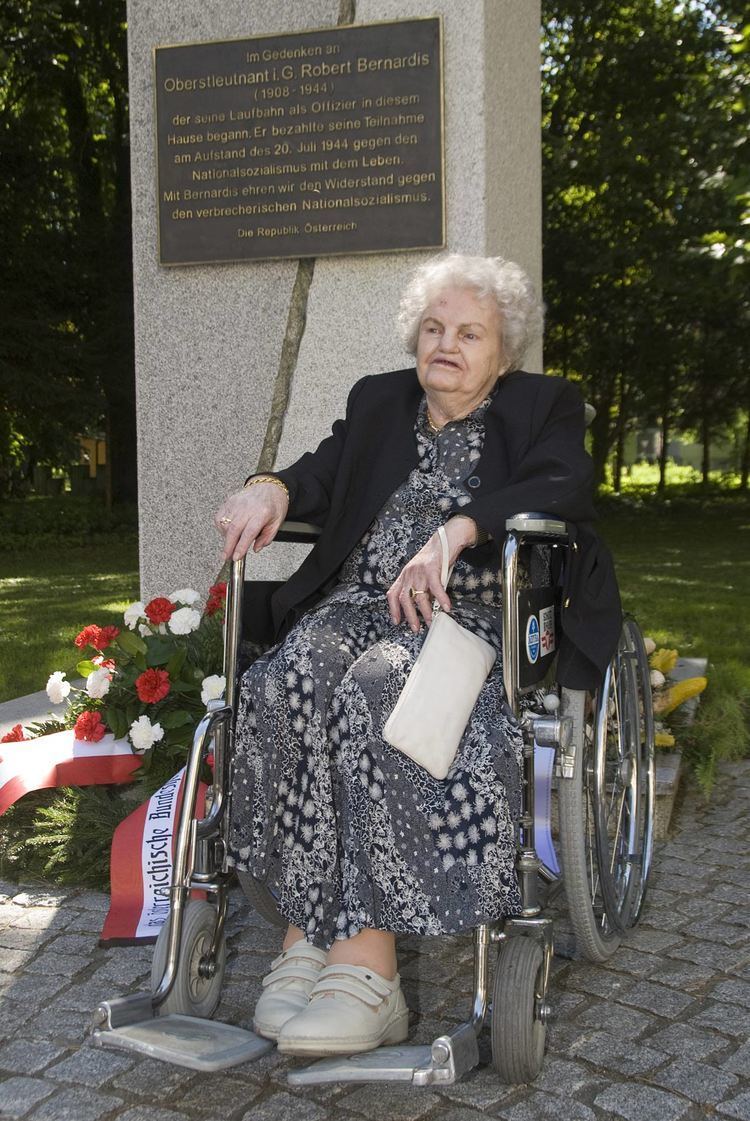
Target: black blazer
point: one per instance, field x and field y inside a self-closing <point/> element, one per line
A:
<point x="533" y="460"/>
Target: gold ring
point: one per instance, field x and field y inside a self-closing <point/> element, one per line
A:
<point x="225" y="521"/>
<point x="414" y="592"/>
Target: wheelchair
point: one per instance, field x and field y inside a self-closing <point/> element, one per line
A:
<point x="586" y="828"/>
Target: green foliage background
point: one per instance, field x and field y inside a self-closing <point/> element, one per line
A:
<point x="66" y="349"/>
<point x="646" y="203"/>
<point x="647" y="196"/>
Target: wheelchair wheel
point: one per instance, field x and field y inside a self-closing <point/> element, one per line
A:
<point x="518" y="1033"/>
<point x="606" y="810"/>
<point x="622" y="789"/>
<point x="596" y="938"/>
<point x="261" y="899"/>
<point x="639" y="733"/>
<point x="193" y="993"/>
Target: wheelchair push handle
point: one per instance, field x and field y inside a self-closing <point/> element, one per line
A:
<point x="536" y="525"/>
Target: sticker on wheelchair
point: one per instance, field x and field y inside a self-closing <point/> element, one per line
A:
<point x="532" y="639"/>
<point x="547" y="630"/>
<point x="537" y="633"/>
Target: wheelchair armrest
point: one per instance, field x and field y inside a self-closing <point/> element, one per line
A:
<point x="537" y="525"/>
<point x="298" y="531"/>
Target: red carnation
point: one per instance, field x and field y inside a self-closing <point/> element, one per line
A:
<point x="217" y="593"/>
<point x="98" y="637"/>
<point x="107" y="637"/>
<point x="15" y="734"/>
<point x="90" y="727"/>
<point x="153" y="685"/>
<point x="89" y="636"/>
<point x="160" y="610"/>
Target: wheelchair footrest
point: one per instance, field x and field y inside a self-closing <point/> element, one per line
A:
<point x="444" y="1062"/>
<point x="386" y="1064"/>
<point x="186" y="1041"/>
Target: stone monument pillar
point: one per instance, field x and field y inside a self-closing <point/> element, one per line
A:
<point x="246" y="365"/>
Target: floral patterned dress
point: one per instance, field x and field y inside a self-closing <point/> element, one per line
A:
<point x="346" y="831"/>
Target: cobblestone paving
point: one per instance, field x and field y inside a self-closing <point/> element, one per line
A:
<point x="659" y="1034"/>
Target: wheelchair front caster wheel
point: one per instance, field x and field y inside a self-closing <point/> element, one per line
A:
<point x="198" y="981"/>
<point x="261" y="899"/>
<point x="518" y="1011"/>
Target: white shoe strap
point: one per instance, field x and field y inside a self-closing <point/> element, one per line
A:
<point x="356" y="981"/>
<point x="301" y="951"/>
<point x="291" y="971"/>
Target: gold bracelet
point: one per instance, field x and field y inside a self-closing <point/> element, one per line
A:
<point x="267" y="479"/>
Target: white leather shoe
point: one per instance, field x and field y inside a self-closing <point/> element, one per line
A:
<point x="351" y="1009"/>
<point x="287" y="987"/>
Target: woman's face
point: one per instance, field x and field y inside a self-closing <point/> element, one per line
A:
<point x="459" y="349"/>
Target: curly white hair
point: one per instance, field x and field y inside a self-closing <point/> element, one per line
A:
<point x="520" y="310"/>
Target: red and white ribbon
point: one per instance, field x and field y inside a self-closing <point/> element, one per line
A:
<point x="141" y="869"/>
<point x="60" y="759"/>
<point x="143" y="844"/>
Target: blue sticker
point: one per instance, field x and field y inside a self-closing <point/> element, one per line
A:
<point x="532" y="639"/>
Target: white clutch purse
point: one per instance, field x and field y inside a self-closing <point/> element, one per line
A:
<point x="435" y="704"/>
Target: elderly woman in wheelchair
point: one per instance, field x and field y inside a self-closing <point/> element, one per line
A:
<point x="355" y="840"/>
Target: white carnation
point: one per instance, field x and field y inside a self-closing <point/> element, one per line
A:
<point x="57" y="687"/>
<point x="212" y="688"/>
<point x="186" y="596"/>
<point x="657" y="678"/>
<point x="184" y="620"/>
<point x="144" y="629"/>
<point x="97" y="683"/>
<point x="144" y="734"/>
<point x="134" y="614"/>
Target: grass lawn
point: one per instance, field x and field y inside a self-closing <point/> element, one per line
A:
<point x="683" y="565"/>
<point x="47" y="595"/>
<point x="684" y="571"/>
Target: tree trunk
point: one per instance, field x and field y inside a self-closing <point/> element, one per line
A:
<point x="706" y="449"/>
<point x="108" y="465"/>
<point x="601" y="435"/>
<point x="622" y="425"/>
<point x="745" y="464"/>
<point x="83" y="165"/>
<point x="665" y="422"/>
<point x="119" y="386"/>
<point x="110" y="290"/>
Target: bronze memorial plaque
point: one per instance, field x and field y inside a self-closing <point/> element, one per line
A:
<point x="301" y="145"/>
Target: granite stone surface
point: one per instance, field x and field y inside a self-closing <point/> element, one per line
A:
<point x="209" y="338"/>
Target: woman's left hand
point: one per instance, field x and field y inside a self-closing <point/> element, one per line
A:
<point x="418" y="583"/>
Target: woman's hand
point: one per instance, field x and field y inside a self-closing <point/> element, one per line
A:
<point x="418" y="583"/>
<point x="251" y="518"/>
